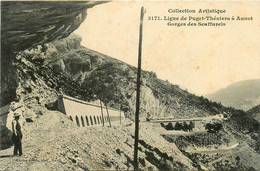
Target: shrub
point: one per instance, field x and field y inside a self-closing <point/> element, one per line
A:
<point x="213" y="127"/>
<point x="169" y="126"/>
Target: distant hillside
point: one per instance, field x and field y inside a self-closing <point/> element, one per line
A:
<point x="240" y="95"/>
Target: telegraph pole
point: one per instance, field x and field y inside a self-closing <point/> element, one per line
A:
<point x="108" y="116"/>
<point x="101" y="107"/>
<point x="138" y="91"/>
<point x="120" y="112"/>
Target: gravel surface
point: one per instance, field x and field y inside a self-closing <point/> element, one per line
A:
<point x="53" y="142"/>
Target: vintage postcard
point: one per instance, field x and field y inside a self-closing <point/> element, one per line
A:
<point x="130" y="85"/>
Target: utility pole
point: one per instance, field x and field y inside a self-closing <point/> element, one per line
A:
<point x="120" y="112"/>
<point x="108" y="116"/>
<point x="138" y="91"/>
<point x="102" y="112"/>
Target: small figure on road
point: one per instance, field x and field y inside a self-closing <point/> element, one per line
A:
<point x="17" y="134"/>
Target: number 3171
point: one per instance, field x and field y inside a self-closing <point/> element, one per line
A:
<point x="154" y="18"/>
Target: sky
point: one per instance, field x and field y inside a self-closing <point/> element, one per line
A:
<point x="199" y="59"/>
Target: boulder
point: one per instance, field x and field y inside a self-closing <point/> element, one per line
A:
<point x="27" y="24"/>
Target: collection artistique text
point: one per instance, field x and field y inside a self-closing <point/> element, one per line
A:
<point x="215" y="11"/>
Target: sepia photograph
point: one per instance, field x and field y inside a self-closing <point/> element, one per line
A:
<point x="130" y="85"/>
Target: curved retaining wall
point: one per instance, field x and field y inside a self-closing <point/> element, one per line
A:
<point x="87" y="114"/>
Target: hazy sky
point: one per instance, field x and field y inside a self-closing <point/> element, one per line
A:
<point x="201" y="59"/>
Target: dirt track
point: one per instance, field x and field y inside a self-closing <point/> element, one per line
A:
<point x="53" y="142"/>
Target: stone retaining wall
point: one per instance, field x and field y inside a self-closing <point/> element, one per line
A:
<point x="87" y="114"/>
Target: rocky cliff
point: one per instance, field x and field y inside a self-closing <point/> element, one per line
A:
<point x="39" y="74"/>
<point x="67" y="67"/>
<point x="27" y="24"/>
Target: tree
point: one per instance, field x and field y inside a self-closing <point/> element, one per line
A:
<point x="213" y="127"/>
<point x="178" y="126"/>
<point x="169" y="126"/>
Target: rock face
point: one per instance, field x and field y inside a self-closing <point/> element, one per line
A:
<point x="27" y="24"/>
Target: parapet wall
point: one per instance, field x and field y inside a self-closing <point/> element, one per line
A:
<point x="87" y="114"/>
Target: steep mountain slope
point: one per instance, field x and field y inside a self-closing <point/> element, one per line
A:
<point x="240" y="95"/>
<point x="66" y="67"/>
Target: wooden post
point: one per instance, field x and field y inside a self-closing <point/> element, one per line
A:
<point x="102" y="113"/>
<point x="108" y="116"/>
<point x="138" y="92"/>
<point x="120" y="113"/>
